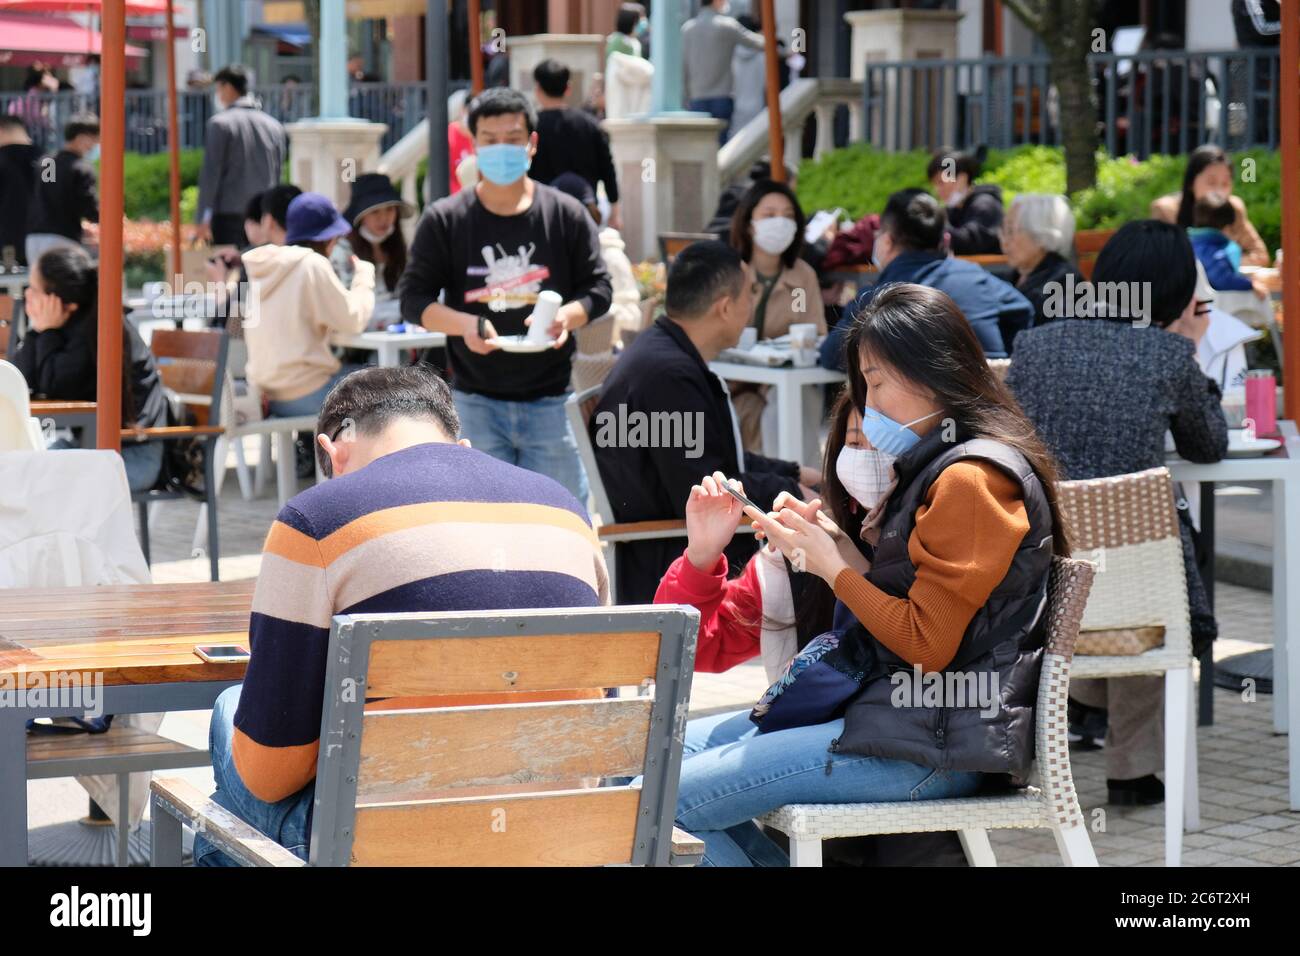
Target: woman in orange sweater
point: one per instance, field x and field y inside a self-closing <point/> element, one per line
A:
<point x="940" y="593"/>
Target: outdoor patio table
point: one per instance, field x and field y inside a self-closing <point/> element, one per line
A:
<point x="1282" y="468"/>
<point x="139" y="639"/>
<point x="799" y="414"/>
<point x="390" y="345"/>
<point x="67" y="415"/>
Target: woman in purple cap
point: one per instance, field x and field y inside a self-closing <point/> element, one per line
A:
<point x="296" y="303"/>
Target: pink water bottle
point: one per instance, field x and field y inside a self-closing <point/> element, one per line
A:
<point x="1261" y="401"/>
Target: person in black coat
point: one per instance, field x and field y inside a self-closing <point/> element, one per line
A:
<point x="67" y="192"/>
<point x="974" y="212"/>
<point x="664" y="420"/>
<point x="58" y="354"/>
<point x="1038" y="239"/>
<point x="1102" y="391"/>
<point x="18" y="158"/>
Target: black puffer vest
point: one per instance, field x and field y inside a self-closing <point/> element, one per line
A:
<point x="998" y="661"/>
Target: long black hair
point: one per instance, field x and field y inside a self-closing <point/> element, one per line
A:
<point x="69" y="273"/>
<point x="921" y="334"/>
<point x="1202" y="157"/>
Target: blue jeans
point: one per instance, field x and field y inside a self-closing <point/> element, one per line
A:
<point x="287" y="822"/>
<point x="719" y="107"/>
<point x="310" y="404"/>
<point x="535" y="435"/>
<point x="143" y="463"/>
<point x="732" y="774"/>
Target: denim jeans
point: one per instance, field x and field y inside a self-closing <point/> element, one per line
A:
<point x="732" y="774"/>
<point x="719" y="107"/>
<point x="143" y="463"/>
<point x="535" y="435"/>
<point x="287" y="822"/>
<point x="310" y="404"/>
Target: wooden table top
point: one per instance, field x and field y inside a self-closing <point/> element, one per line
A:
<point x="44" y="406"/>
<point x="132" y="634"/>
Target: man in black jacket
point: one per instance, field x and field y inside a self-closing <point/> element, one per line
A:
<point x="974" y="213"/>
<point x="570" y="140"/>
<point x="664" y="419"/>
<point x="66" y="190"/>
<point x="18" y="159"/>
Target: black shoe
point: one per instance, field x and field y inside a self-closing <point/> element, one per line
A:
<point x="1139" y="792"/>
<point x="1087" y="730"/>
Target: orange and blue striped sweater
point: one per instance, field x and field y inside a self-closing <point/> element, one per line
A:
<point x="433" y="527"/>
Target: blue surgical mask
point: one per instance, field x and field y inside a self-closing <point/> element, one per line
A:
<point x="92" y="154"/>
<point x="642" y="27"/>
<point x="888" y="435"/>
<point x="503" y="163"/>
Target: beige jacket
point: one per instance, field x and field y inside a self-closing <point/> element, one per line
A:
<point x="296" y="303"/>
<point x="796" y="298"/>
<point x="1242" y="232"/>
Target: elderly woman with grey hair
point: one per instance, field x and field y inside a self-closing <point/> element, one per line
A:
<point x="1038" y="239"/>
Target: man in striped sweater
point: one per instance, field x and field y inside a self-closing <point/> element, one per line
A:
<point x="411" y="520"/>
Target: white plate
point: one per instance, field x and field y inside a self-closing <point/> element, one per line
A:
<point x="521" y="344"/>
<point x="1239" y="447"/>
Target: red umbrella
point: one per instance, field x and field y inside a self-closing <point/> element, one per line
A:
<point x="135" y="8"/>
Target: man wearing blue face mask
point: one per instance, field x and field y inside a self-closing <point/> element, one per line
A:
<point x="66" y="189"/>
<point x="491" y="252"/>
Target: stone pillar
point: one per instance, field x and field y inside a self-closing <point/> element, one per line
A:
<point x="666" y="19"/>
<point x="583" y="54"/>
<point x="333" y="60"/>
<point x="882" y="36"/>
<point x="326" y="156"/>
<point x="667" y="176"/>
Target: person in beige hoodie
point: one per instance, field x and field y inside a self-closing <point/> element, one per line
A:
<point x="297" y="303"/>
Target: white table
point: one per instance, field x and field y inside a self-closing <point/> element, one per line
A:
<point x="792" y="411"/>
<point x="1284" y="473"/>
<point x="390" y="345"/>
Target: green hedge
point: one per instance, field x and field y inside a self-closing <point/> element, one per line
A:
<point x="147" y="182"/>
<point x="861" y="178"/>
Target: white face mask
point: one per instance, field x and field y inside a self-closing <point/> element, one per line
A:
<point x="217" y="105"/>
<point x="865" y="473"/>
<point x="376" y="237"/>
<point x="956" y="198"/>
<point x="774" y="235"/>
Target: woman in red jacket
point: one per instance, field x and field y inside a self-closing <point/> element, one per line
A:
<point x="770" y="609"/>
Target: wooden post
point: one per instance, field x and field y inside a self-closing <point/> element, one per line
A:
<point x="112" y="125"/>
<point x="775" y="134"/>
<point x="1290" y="74"/>
<point x="475" y="48"/>
<point x="174" y="137"/>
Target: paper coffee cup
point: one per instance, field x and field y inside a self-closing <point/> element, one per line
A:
<point x="803" y="335"/>
<point x="548" y="304"/>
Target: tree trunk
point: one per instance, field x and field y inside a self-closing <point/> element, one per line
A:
<point x="1078" y="112"/>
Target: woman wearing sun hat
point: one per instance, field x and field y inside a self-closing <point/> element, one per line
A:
<point x="376" y="236"/>
<point x="296" y="302"/>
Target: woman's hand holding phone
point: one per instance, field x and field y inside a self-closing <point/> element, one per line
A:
<point x="712" y="515"/>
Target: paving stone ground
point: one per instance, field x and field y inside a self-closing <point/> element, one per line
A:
<point x="1243" y="770"/>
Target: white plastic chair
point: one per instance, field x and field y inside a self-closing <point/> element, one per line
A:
<point x="18" y="430"/>
<point x="1053" y="804"/>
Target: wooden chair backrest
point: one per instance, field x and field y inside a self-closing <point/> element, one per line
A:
<point x="510" y="784"/>
<point x="671" y="243"/>
<point x="193" y="363"/>
<point x="1087" y="244"/>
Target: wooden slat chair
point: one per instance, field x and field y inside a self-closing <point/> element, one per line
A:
<point x="986" y="259"/>
<point x="1087" y="244"/>
<point x="1053" y="804"/>
<point x="580" y="407"/>
<point x="671" y="243"/>
<point x="490" y="785"/>
<point x="1129" y="526"/>
<point x="189" y="363"/>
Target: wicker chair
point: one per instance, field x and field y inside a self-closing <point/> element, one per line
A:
<point x="1052" y="805"/>
<point x="1128" y="524"/>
